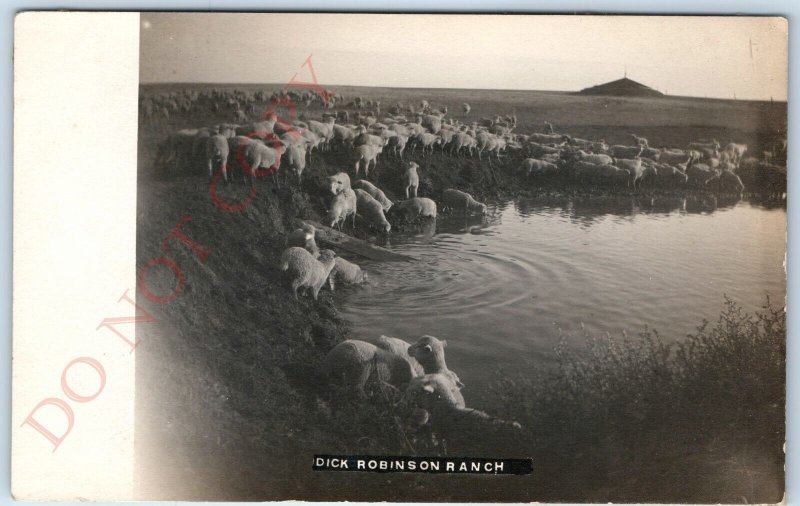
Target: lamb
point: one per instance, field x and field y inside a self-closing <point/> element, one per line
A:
<point x="216" y="154"/>
<point x="339" y="182"/>
<point x="400" y="347"/>
<point x="457" y="199"/>
<point x="306" y="271"/>
<point x="411" y="178"/>
<point x="533" y="166"/>
<point x="429" y="352"/>
<point x="368" y="154"/>
<point x="352" y="362"/>
<point x="304" y="237"/>
<point x="375" y="192"/>
<point x="347" y="273"/>
<point x="372" y="211"/>
<point x="416" y="207"/>
<point x="343" y="205"/>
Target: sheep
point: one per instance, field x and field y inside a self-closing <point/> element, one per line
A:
<point x="466" y="108"/>
<point x="641" y="141"/>
<point x="352" y="362"/>
<point x="295" y="158"/>
<point x="411" y="178"/>
<point x="324" y="130"/>
<point x="734" y="152"/>
<point x="252" y="155"/>
<point x="461" y="140"/>
<point x="638" y="171"/>
<point x="304" y="237"/>
<point x="416" y="207"/>
<point x="436" y="403"/>
<point x="673" y="156"/>
<point x="699" y="173"/>
<point x="533" y="166"/>
<point x="365" y="138"/>
<point x="618" y="151"/>
<point x="306" y="271"/>
<point x="427" y="141"/>
<point x="597" y="159"/>
<point x="339" y="182"/>
<point x="429" y="352"/>
<point x="216" y="154"/>
<point x="602" y="174"/>
<point x="400" y="347"/>
<point x="375" y="192"/>
<point x="457" y="199"/>
<point x="671" y="176"/>
<point x="397" y="144"/>
<point x="371" y="210"/>
<point x="726" y="180"/>
<point x="368" y="154"/>
<point x="432" y="122"/>
<point x="546" y="138"/>
<point x="343" y="205"/>
<point x="347" y="273"/>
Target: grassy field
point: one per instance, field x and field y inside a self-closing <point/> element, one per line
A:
<point x="230" y="403"/>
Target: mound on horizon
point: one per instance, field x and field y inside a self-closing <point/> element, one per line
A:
<point x="622" y="88"/>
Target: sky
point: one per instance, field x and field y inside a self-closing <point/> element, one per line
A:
<point x="720" y="57"/>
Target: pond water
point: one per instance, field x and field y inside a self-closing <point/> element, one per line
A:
<point x="499" y="288"/>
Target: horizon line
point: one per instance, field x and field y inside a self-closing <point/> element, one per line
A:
<point x="664" y="95"/>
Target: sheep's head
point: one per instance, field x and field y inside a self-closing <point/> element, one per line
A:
<point x="327" y="257"/>
<point x="429" y="351"/>
<point x="339" y="183"/>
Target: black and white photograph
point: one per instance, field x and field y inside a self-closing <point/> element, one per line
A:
<point x="457" y="258"/>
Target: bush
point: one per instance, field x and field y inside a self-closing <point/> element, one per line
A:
<point x="640" y="420"/>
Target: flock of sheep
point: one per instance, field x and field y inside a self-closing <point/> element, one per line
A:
<point x="431" y="390"/>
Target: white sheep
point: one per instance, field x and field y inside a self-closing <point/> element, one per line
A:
<point x="304" y="237"/>
<point x="347" y="273"/>
<point x="295" y="158"/>
<point x="397" y="144"/>
<point x="416" y="207"/>
<point x="400" y="347"/>
<point x="411" y="178"/>
<point x="352" y="362"/>
<point x="437" y="403"/>
<point x="216" y="154"/>
<point x="466" y="108"/>
<point x="339" y="182"/>
<point x="343" y="205"/>
<point x="376" y="193"/>
<point x="427" y="141"/>
<point x="462" y="201"/>
<point x="371" y="210"/>
<point x="306" y="271"/>
<point x="533" y="166"/>
<point x="368" y="154"/>
<point x="641" y="141"/>
<point x="429" y="352"/>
